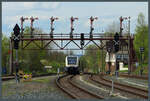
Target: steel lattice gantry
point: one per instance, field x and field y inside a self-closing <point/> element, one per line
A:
<point x="45" y="40"/>
<point x="42" y="42"/>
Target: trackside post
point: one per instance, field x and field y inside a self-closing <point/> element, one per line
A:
<point x="58" y="72"/>
<point x="16" y="46"/>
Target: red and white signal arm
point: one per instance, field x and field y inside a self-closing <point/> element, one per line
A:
<point x="48" y="67"/>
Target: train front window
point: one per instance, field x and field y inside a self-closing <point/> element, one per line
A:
<point x="72" y="60"/>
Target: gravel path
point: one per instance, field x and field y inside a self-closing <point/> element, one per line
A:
<point x="39" y="88"/>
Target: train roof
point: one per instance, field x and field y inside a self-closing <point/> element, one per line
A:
<point x="74" y="56"/>
<point x="71" y="56"/>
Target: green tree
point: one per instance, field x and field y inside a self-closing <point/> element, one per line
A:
<point x="35" y="60"/>
<point x="83" y="63"/>
<point x="29" y="60"/>
<point x="93" y="58"/>
<point x="5" y="52"/>
<point x="112" y="28"/>
<point x="141" y="37"/>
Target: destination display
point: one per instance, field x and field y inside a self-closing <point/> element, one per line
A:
<point x="72" y="60"/>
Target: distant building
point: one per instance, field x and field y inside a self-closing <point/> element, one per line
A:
<point x="121" y="57"/>
<point x="48" y="67"/>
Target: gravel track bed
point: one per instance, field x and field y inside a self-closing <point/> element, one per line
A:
<point x="39" y="88"/>
<point x="93" y="88"/>
<point x="119" y="93"/>
<point x="72" y="88"/>
<point x="130" y="81"/>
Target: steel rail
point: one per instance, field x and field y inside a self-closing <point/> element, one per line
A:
<point x="71" y="91"/>
<point x="132" y="90"/>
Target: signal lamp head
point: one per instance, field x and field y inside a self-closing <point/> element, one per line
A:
<point x="16" y="30"/>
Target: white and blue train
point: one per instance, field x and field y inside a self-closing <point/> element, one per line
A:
<point x="72" y="64"/>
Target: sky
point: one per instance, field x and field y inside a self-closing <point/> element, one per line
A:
<point x="107" y="12"/>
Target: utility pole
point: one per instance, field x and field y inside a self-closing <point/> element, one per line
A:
<point x="16" y="46"/>
<point x="129" y="64"/>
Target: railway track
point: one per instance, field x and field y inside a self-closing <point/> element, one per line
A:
<point x="134" y="76"/>
<point x="126" y="88"/>
<point x="144" y="77"/>
<point x="72" y="89"/>
<point x="10" y="77"/>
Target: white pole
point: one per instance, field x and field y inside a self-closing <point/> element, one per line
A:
<point x="129" y="67"/>
<point x="58" y="72"/>
<point x="112" y="90"/>
<point x="17" y="67"/>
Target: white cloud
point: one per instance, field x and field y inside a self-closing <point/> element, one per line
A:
<point x="11" y="19"/>
<point x="55" y="5"/>
<point x="87" y="23"/>
<point x="98" y="23"/>
<point x="11" y="26"/>
<point x="44" y="10"/>
<point x="49" y="5"/>
<point x="29" y="5"/>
